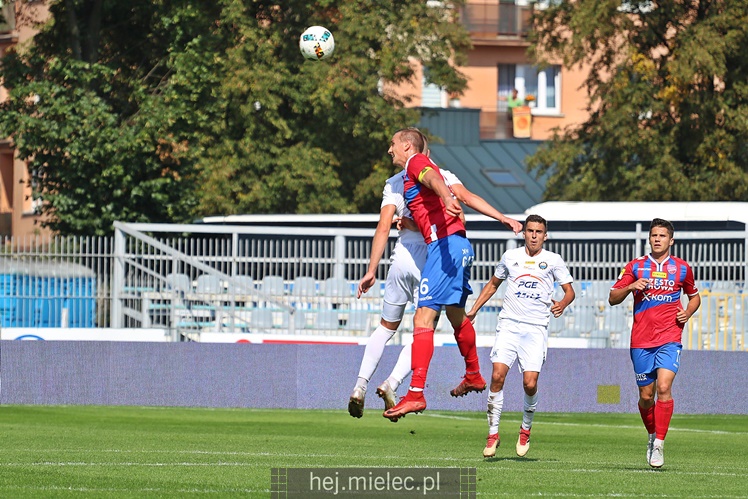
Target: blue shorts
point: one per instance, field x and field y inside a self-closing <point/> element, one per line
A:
<point x="445" y="280"/>
<point x="648" y="360"/>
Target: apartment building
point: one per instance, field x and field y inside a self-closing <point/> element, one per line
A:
<point x="498" y="63"/>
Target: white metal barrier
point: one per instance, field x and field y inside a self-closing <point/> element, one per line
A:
<point x="189" y="279"/>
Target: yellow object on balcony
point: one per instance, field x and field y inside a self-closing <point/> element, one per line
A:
<point x="522" y="122"/>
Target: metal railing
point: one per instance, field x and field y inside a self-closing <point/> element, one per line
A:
<point x="499" y="19"/>
<point x="189" y="279"/>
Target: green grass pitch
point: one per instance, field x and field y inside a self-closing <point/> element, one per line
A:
<point x="84" y="451"/>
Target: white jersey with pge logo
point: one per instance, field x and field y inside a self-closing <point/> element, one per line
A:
<point x="530" y="284"/>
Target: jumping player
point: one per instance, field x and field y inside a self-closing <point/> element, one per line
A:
<point x="401" y="287"/>
<point x="445" y="278"/>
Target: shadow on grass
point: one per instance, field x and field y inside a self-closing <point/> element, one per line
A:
<point x="496" y="459"/>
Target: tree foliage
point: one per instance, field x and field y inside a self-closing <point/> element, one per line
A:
<point x="296" y="136"/>
<point x="162" y="111"/>
<point x="668" y="100"/>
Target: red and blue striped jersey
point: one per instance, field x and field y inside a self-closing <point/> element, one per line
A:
<point x="425" y="205"/>
<point x="655" y="308"/>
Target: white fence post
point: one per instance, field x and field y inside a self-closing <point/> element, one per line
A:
<point x="340" y="256"/>
<point x="118" y="278"/>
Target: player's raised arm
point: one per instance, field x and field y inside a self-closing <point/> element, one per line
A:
<point x="435" y="182"/>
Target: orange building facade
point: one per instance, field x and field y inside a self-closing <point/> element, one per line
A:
<point x="498" y="63"/>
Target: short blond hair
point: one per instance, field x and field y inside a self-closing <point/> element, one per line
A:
<point x="414" y="136"/>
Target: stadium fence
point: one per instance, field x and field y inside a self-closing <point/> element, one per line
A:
<point x="192" y="279"/>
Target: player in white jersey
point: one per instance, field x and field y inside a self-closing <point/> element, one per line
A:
<point x="522" y="332"/>
<point x="401" y="287"/>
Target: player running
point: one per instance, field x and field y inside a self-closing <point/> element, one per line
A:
<point x="657" y="280"/>
<point x="522" y="332"/>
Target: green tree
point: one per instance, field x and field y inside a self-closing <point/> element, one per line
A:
<point x="161" y="111"/>
<point x="299" y="136"/>
<point x="87" y="108"/>
<point x="668" y="100"/>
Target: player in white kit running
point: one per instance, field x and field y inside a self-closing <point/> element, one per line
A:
<point x="522" y="332"/>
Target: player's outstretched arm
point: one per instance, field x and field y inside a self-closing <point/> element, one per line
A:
<point x="486" y="293"/>
<point x="378" y="243"/>
<point x="474" y="201"/>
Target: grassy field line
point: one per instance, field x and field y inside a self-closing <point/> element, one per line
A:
<point x="148" y="490"/>
<point x="511" y="462"/>
<point x="267" y="491"/>
<point x="594" y="425"/>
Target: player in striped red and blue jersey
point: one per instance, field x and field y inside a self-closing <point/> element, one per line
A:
<point x="445" y="277"/>
<point x="657" y="281"/>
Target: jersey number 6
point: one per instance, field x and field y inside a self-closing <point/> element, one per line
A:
<point x="423" y="289"/>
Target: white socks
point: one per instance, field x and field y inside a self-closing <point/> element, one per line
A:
<point x="495" y="404"/>
<point x="373" y="354"/>
<point x="531" y="402"/>
<point x="402" y="368"/>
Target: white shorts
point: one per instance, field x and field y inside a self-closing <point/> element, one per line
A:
<point x="403" y="279"/>
<point x="521" y="341"/>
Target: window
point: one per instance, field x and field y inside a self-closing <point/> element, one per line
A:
<point x="637" y="7"/>
<point x="7" y="16"/>
<point x="33" y="200"/>
<point x="544" y="4"/>
<point x="501" y="178"/>
<point x="431" y="95"/>
<point x="544" y="85"/>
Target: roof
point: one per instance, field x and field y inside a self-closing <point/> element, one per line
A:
<point x="475" y="164"/>
<point x="683" y="211"/>
<point x="485" y="167"/>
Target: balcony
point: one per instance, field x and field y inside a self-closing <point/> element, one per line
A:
<point x="497" y="21"/>
<point x="7" y="16"/>
<point x="8" y="23"/>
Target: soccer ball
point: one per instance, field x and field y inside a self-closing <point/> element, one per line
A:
<point x="316" y="43"/>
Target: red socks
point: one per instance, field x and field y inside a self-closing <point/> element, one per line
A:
<point x="657" y="418"/>
<point x="648" y="416"/>
<point x="423" y="350"/>
<point x="663" y="412"/>
<point x="465" y="337"/>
